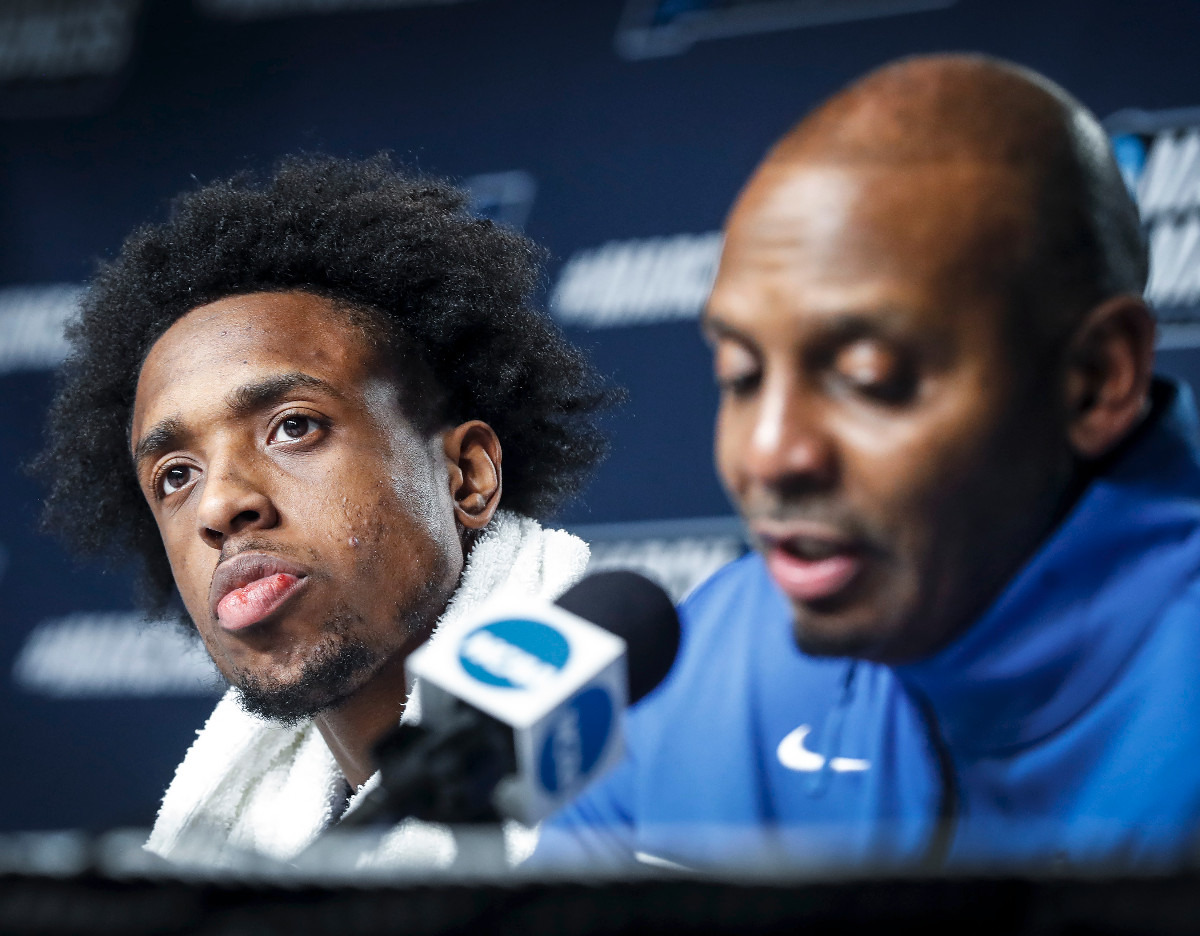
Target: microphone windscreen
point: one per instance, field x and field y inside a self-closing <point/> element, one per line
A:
<point x="640" y="613"/>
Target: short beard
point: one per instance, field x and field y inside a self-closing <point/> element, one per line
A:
<point x="342" y="663"/>
<point x="831" y="645"/>
<point x="334" y="672"/>
<point x="814" y="640"/>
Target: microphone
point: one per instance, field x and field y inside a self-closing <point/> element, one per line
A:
<point x="523" y="703"/>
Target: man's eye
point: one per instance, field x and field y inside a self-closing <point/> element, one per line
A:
<point x="736" y="368"/>
<point x="293" y="428"/>
<point x="738" y="384"/>
<point x="175" y="479"/>
<point x="876" y="372"/>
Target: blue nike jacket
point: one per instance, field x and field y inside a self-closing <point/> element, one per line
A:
<point x="1062" y="727"/>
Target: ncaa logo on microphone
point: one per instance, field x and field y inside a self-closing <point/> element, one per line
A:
<point x="576" y="739"/>
<point x="514" y="654"/>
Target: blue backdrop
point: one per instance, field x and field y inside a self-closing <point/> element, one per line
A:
<point x="616" y="132"/>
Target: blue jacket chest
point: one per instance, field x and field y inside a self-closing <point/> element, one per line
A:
<point x="799" y="753"/>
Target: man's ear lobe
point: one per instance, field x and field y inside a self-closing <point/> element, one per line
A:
<point x="1109" y="366"/>
<point x="473" y="458"/>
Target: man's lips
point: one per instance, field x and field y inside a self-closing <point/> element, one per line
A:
<point x="250" y="586"/>
<point x="810" y="562"/>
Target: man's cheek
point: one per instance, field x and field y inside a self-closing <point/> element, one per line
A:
<point x="217" y="654"/>
<point x="901" y="501"/>
<point x="939" y="515"/>
<point x="192" y="579"/>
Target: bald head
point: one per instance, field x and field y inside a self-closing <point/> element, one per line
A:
<point x="939" y="108"/>
<point x="1082" y="241"/>
<point x="926" y="331"/>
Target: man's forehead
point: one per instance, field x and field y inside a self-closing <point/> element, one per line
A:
<point x="781" y="189"/>
<point x="827" y="220"/>
<point x="896" y="248"/>
<point x="244" y="341"/>
<point x="787" y="204"/>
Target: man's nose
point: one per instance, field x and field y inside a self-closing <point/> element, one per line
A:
<point x="233" y="501"/>
<point x="790" y="444"/>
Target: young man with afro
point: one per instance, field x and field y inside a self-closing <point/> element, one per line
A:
<point x="300" y="402"/>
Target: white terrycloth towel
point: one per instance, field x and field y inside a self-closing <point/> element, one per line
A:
<point x="246" y="785"/>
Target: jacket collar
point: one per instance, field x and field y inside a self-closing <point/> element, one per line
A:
<point x="1062" y="629"/>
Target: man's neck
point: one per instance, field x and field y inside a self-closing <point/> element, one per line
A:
<point x="353" y="728"/>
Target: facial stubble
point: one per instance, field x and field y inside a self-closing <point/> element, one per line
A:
<point x="337" y="667"/>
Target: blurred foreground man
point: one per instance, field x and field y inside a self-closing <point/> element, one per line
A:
<point x="971" y="629"/>
<point x="290" y="400"/>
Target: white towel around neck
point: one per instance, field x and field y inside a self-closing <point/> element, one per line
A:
<point x="247" y="785"/>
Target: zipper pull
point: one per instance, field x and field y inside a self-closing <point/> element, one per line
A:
<point x="831" y="734"/>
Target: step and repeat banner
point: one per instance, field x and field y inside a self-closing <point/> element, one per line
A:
<point x="614" y="132"/>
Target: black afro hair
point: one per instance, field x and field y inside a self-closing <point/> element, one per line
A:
<point x="402" y="248"/>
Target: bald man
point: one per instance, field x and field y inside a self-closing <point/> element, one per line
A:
<point x="970" y="632"/>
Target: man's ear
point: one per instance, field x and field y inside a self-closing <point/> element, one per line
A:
<point x="473" y="459"/>
<point x="1109" y="365"/>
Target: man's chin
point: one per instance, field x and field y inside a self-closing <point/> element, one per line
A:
<point x="830" y="645"/>
<point x="819" y="636"/>
<point x="326" y="681"/>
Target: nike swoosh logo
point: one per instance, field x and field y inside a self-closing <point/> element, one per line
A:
<point x="656" y="862"/>
<point x="795" y="756"/>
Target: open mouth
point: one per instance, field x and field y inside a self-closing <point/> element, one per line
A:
<point x="812" y="568"/>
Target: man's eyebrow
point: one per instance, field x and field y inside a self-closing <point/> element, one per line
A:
<point x="714" y="328"/>
<point x="162" y="436"/>
<point x="169" y="432"/>
<point x="250" y="397"/>
<point x="844" y="325"/>
<point x="853" y="324"/>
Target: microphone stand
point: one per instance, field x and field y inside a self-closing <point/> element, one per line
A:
<point x="445" y="774"/>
